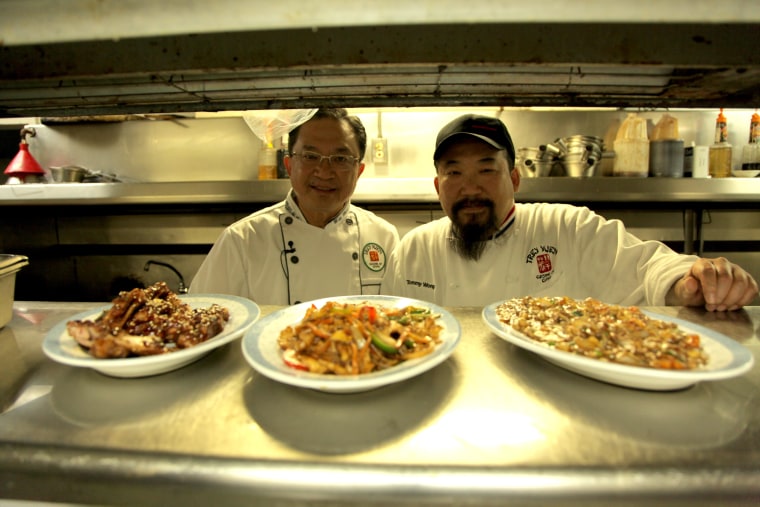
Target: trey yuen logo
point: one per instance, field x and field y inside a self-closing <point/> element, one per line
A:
<point x="542" y="255"/>
<point x="373" y="256"/>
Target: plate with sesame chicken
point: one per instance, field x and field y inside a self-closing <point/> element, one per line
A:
<point x="160" y="356"/>
<point x="622" y="345"/>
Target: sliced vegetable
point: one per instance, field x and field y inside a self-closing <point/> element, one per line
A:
<point x="290" y="359"/>
<point x="384" y="343"/>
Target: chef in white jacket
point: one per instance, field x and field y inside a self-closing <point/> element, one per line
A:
<point x="315" y="243"/>
<point x="488" y="248"/>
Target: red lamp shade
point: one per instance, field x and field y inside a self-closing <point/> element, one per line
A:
<point x="23" y="163"/>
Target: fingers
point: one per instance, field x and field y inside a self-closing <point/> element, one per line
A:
<point x="725" y="286"/>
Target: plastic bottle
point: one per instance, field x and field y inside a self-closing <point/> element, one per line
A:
<point x="268" y="163"/>
<point x="751" y="151"/>
<point x="720" y="151"/>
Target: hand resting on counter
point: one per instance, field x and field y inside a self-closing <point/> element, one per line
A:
<point x="717" y="284"/>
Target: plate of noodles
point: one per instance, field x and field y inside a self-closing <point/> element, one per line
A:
<point x="622" y="345"/>
<point x="351" y="343"/>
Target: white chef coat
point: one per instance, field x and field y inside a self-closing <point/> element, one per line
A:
<point x="543" y="250"/>
<point x="275" y="257"/>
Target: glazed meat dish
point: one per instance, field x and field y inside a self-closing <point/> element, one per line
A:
<point x="149" y="321"/>
<point x="613" y="333"/>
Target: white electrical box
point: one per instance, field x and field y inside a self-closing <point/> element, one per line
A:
<point x="379" y="151"/>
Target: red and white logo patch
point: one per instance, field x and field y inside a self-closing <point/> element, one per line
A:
<point x="544" y="263"/>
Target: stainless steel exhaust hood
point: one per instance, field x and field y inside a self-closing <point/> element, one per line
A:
<point x="656" y="54"/>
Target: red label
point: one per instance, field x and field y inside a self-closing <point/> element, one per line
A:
<point x="544" y="263"/>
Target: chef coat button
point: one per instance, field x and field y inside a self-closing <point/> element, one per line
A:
<point x="294" y="259"/>
<point x="349" y="221"/>
<point x="354" y="256"/>
<point x="288" y="220"/>
<point x="297" y="303"/>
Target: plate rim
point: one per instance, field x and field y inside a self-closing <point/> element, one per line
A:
<point x="348" y="383"/>
<point x="742" y="358"/>
<point x="155" y="362"/>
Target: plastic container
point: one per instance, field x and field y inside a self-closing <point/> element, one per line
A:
<point x="720" y="160"/>
<point x="666" y="129"/>
<point x="268" y="163"/>
<point x="632" y="148"/>
<point x="701" y="162"/>
<point x="754" y="129"/>
<point x="9" y="266"/>
<point x="666" y="158"/>
<point x="666" y="151"/>
<point x="751" y="151"/>
<point x="721" y="152"/>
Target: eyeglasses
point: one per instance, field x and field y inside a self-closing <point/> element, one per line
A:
<point x="312" y="159"/>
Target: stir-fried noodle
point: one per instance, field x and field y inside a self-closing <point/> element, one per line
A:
<point x="349" y="339"/>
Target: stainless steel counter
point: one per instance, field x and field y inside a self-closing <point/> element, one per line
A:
<point x="493" y="425"/>
<point x="741" y="191"/>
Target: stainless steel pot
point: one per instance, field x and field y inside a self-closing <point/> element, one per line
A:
<point x="69" y="174"/>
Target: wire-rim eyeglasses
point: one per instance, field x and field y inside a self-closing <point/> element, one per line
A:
<point x="339" y="162"/>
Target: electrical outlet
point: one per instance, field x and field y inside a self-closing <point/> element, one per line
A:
<point x="380" y="151"/>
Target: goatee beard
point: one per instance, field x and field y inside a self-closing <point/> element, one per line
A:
<point x="470" y="239"/>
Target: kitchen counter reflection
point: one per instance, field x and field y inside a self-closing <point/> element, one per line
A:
<point x="493" y="424"/>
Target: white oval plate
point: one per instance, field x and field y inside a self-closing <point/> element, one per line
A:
<point x="61" y="347"/>
<point x="262" y="352"/>
<point x="727" y="358"/>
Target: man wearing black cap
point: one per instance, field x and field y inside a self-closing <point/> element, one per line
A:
<point x="489" y="249"/>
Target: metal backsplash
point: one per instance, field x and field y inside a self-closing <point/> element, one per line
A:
<point x="222" y="148"/>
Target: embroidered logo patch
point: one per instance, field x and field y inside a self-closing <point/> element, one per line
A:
<point x="544" y="263"/>
<point x="373" y="256"/>
<point x="542" y="256"/>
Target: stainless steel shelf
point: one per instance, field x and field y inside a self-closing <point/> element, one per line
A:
<point x="744" y="192"/>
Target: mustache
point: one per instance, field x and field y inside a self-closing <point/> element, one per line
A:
<point x="459" y="205"/>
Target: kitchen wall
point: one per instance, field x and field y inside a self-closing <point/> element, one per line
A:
<point x="76" y="250"/>
<point x="208" y="146"/>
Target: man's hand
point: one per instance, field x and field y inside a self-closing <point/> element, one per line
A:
<point x="717" y="284"/>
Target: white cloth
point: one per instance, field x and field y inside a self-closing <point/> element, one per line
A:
<point x="549" y="250"/>
<point x="275" y="257"/>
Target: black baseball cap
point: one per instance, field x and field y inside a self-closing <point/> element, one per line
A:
<point x="486" y="128"/>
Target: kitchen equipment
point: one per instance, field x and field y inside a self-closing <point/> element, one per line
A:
<point x="534" y="162"/>
<point x="632" y="148"/>
<point x="69" y="174"/>
<point x="23" y="168"/>
<point x="579" y="157"/>
<point x="540" y="168"/>
<point x="666" y="152"/>
<point x="666" y="158"/>
<point x="9" y="266"/>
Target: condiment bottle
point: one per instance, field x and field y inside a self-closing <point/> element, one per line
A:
<point x="268" y="163"/>
<point x="751" y="151"/>
<point x="754" y="128"/>
<point x="720" y="151"/>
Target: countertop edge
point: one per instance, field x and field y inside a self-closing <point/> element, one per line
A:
<point x="95" y="475"/>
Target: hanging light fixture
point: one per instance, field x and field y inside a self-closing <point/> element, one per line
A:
<point x="24" y="168"/>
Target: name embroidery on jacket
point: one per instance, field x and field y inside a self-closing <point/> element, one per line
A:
<point x="417" y="283"/>
<point x="542" y="257"/>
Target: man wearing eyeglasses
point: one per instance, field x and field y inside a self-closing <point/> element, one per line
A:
<point x="315" y="243"/>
